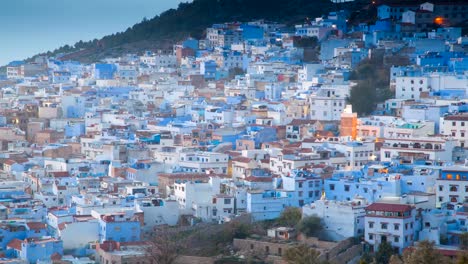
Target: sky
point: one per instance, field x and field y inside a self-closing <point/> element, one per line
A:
<point x="29" y="27"/>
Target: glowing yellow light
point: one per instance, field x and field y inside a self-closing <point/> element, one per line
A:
<point x="439" y="20"/>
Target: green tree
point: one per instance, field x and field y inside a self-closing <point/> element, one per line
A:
<point x="165" y="245"/>
<point x="462" y="258"/>
<point x="372" y="86"/>
<point x="395" y="259"/>
<point x="464" y="241"/>
<point x="301" y="254"/>
<point x="384" y="252"/>
<point x="366" y="258"/>
<point x="234" y="72"/>
<point x="362" y="97"/>
<point x="231" y="230"/>
<point x="306" y="42"/>
<point x="310" y="226"/>
<point x="240" y="230"/>
<point x="424" y="253"/>
<point x="290" y="217"/>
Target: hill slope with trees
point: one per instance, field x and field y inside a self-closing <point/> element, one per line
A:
<point x="191" y="19"/>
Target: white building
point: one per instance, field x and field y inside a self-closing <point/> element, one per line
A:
<point x="452" y="187"/>
<point x="357" y="153"/>
<point x="409" y="129"/>
<point x="204" y="200"/>
<point x="455" y="126"/>
<point x="160" y="60"/>
<point x="78" y="233"/>
<point x="157" y="212"/>
<point x="203" y="162"/>
<point x="411" y="87"/>
<point x="218" y="115"/>
<point x="340" y="219"/>
<point x="392" y="223"/>
<point x="328" y="103"/>
<point x="422" y="148"/>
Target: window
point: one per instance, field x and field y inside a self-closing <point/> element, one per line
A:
<point x="346" y="188"/>
<point x="227" y="201"/>
<point x="371" y="236"/>
<point x="396" y="239"/>
<point x="384" y="225"/>
<point x="396" y="226"/>
<point x="371" y="224"/>
<point x="332" y="187"/>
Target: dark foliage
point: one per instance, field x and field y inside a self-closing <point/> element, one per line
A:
<point x="372" y="86"/>
<point x="290" y="217"/>
<point x="310" y="226"/>
<point x="384" y="253"/>
<point x="191" y="19"/>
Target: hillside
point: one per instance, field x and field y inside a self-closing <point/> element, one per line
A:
<point x="190" y="19"/>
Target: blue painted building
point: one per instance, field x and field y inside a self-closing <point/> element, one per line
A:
<point x="122" y="227"/>
<point x="458" y="65"/>
<point x="190" y="43"/>
<point x="208" y="69"/>
<point x="327" y="47"/>
<point x="268" y="204"/>
<point x="73" y="106"/>
<point x="104" y="71"/>
<point x="74" y="129"/>
<point x="33" y="250"/>
<point x="116" y="93"/>
<point x="262" y="134"/>
<point x="344" y="186"/>
<point x="250" y="32"/>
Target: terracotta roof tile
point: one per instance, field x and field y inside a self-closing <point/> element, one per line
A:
<point x="389" y="207"/>
<point x="15" y="243"/>
<point x="36" y="225"/>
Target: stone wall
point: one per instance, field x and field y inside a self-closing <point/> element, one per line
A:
<point x="335" y="253"/>
<point x="261" y="247"/>
<point x="347" y="255"/>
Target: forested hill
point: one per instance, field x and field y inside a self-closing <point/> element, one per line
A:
<point x="190" y="19"/>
